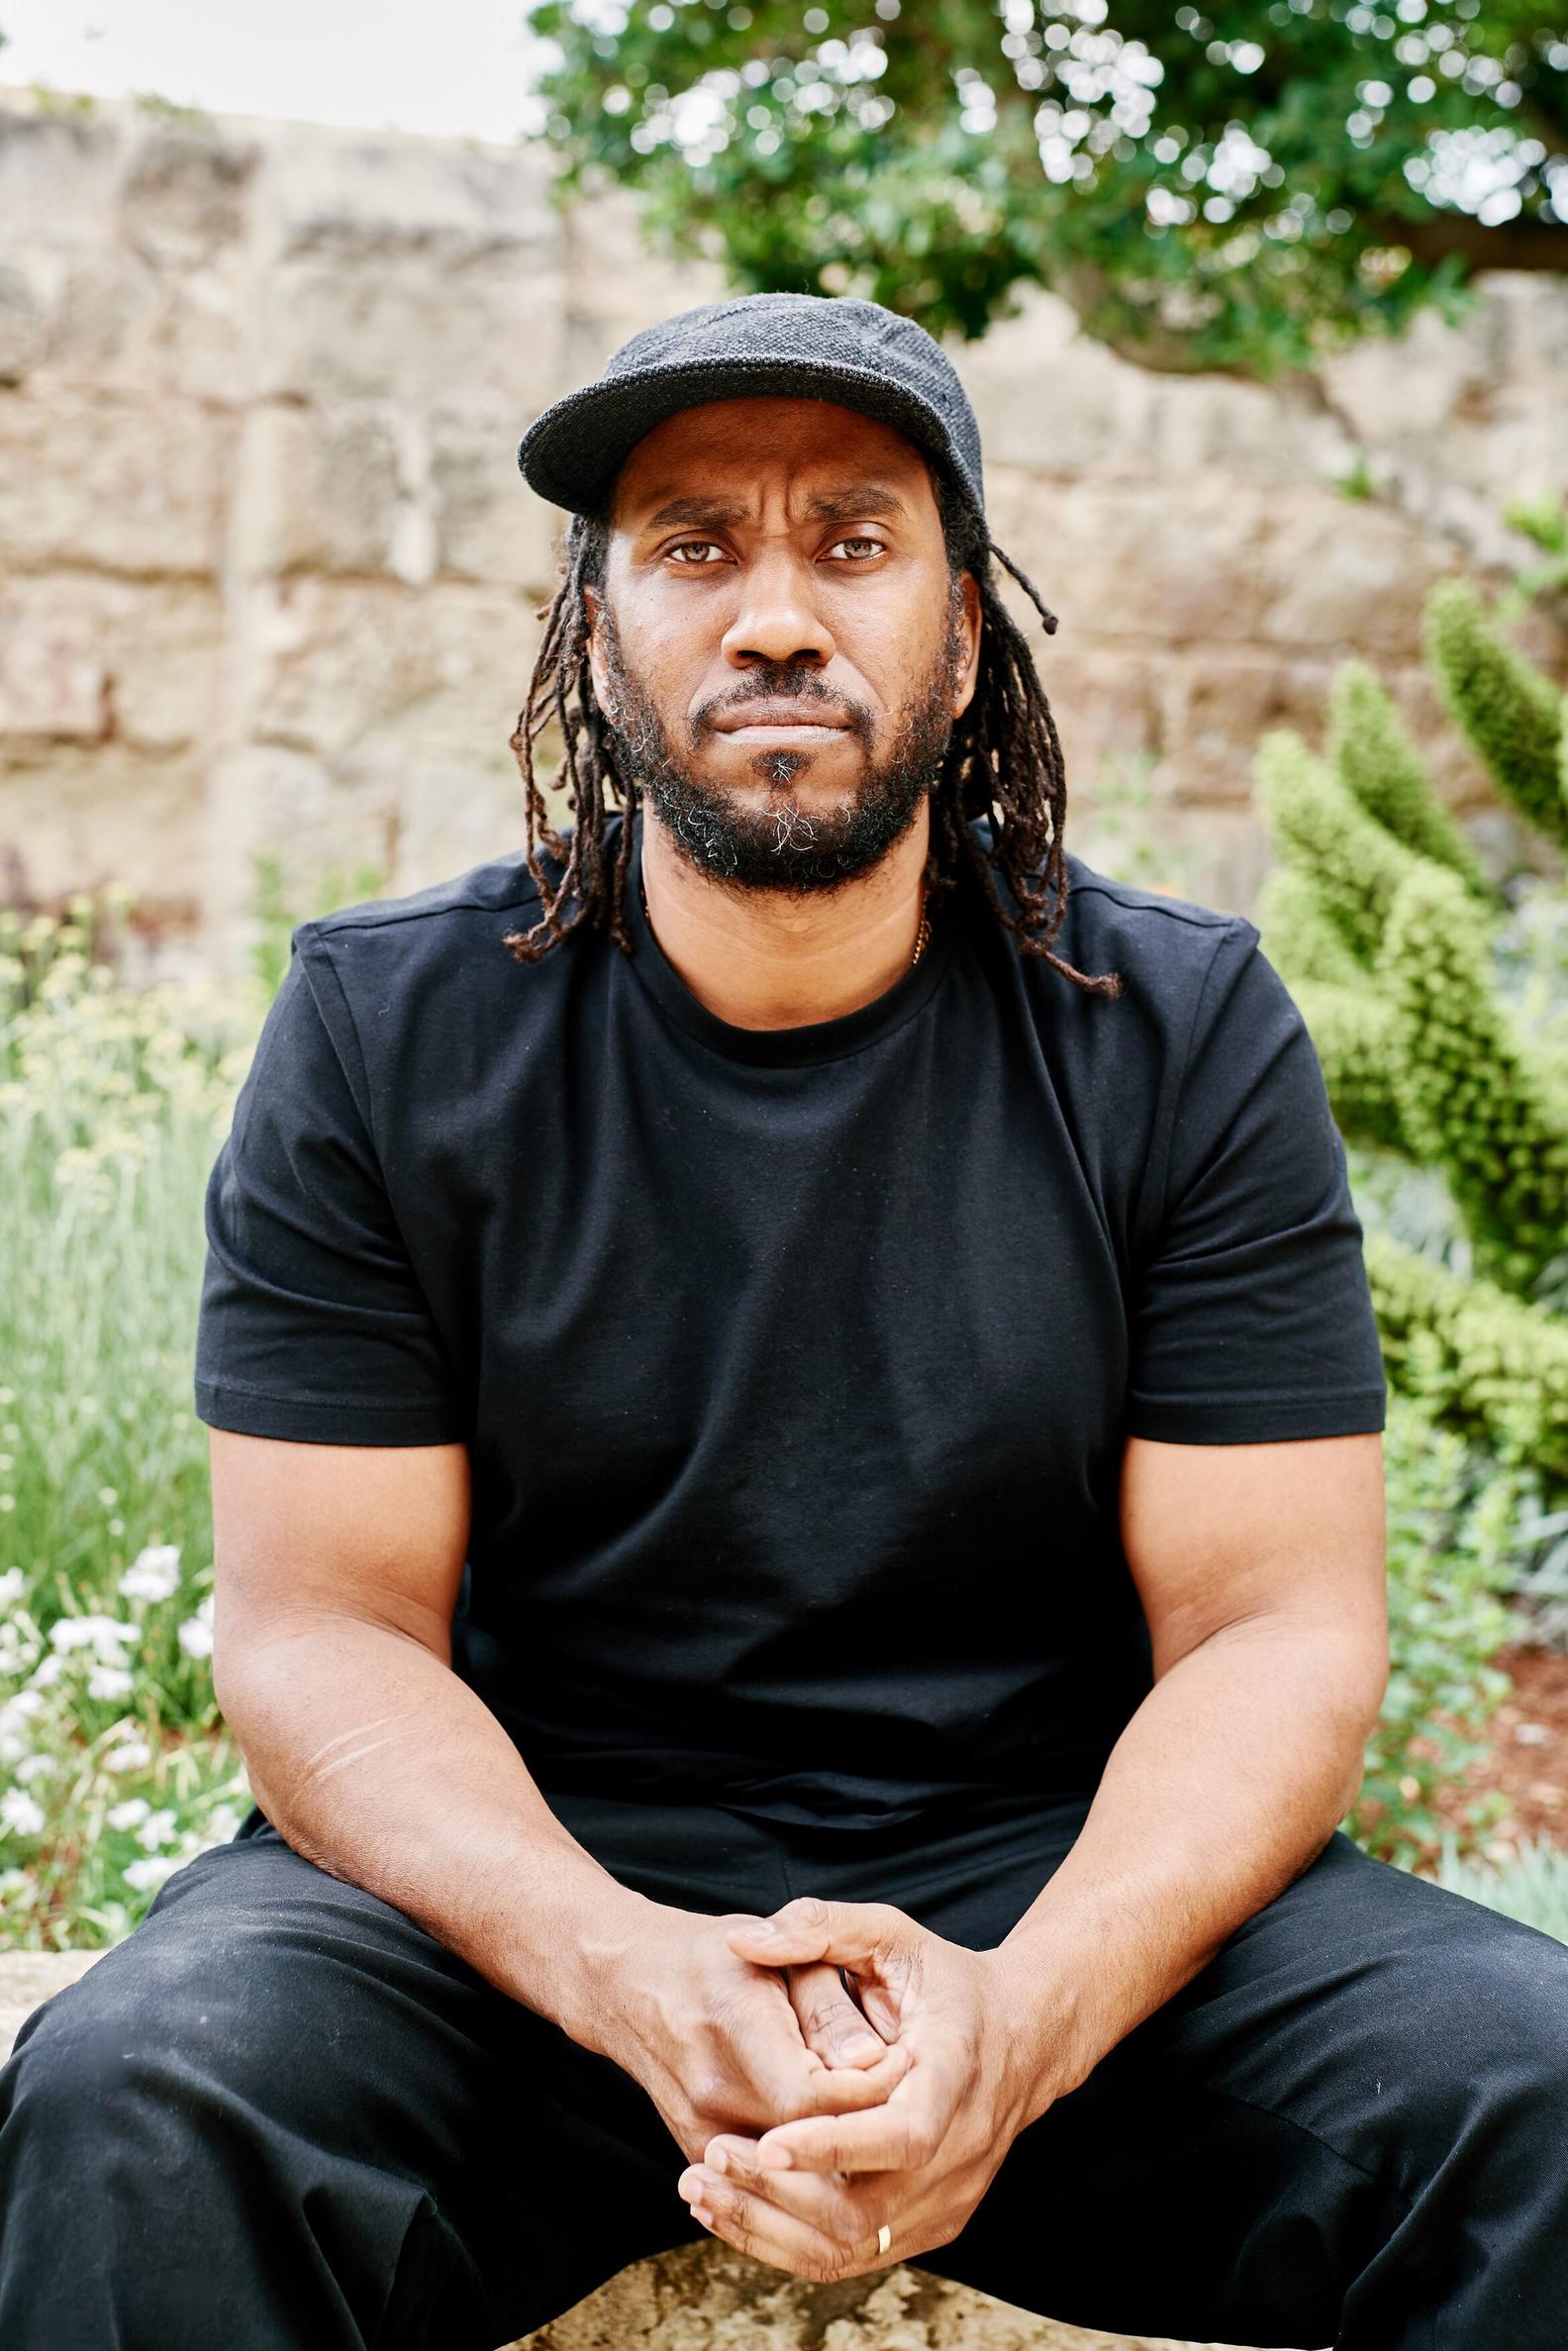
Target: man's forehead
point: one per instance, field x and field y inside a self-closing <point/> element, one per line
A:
<point x="715" y="456"/>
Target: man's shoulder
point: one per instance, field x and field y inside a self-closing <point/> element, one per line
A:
<point x="1162" y="945"/>
<point x="501" y="886"/>
<point x="1164" y="924"/>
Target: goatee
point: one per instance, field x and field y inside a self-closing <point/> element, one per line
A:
<point x="785" y="847"/>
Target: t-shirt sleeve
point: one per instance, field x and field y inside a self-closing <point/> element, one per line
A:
<point x="312" y="1323"/>
<point x="1252" y="1318"/>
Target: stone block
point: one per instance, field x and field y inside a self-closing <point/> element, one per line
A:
<point x="1343" y="576"/>
<point x="31" y="286"/>
<point x="122" y="325"/>
<point x="187" y="192"/>
<point x="698" y="2298"/>
<point x="489" y="525"/>
<point x="406" y="326"/>
<point x="356" y="196"/>
<point x="54" y="660"/>
<point x="111" y="483"/>
<point x="82" y="815"/>
<point x="320" y="490"/>
<point x="364" y="667"/>
<point x="165" y="652"/>
<point x="616" y="283"/>
<point x="60" y="175"/>
<point x="1166" y="562"/>
<point x="1212" y="707"/>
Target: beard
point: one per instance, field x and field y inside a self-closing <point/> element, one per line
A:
<point x="786" y="847"/>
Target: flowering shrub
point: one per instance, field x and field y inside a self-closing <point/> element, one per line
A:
<point x="114" y="1765"/>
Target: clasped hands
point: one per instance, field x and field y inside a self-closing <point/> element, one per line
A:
<point x="813" y="2123"/>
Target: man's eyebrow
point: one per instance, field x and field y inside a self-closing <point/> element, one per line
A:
<point x="829" y="506"/>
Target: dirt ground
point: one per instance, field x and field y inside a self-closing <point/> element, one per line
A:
<point x="1528" y="1758"/>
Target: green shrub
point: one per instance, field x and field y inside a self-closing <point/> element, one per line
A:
<point x="1453" y="1541"/>
<point x="1533" y="1887"/>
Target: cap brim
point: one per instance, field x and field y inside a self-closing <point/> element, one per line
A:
<point x="572" y="454"/>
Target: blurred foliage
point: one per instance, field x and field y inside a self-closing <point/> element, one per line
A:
<point x="115" y="1765"/>
<point x="1245" y="192"/>
<point x="1453" y="1553"/>
<point x="1533" y="1887"/>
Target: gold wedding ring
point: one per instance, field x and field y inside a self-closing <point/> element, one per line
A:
<point x="884" y="2238"/>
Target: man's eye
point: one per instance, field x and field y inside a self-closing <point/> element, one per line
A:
<point x="875" y="545"/>
<point x="685" y="547"/>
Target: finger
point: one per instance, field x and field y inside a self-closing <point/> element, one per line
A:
<point x="903" y="2133"/>
<point x="830" y="2022"/>
<point x="850" y="2211"/>
<point x="849" y="1933"/>
<point x="788" y="2079"/>
<point x="764" y="2232"/>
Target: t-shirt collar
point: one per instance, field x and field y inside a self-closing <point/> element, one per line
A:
<point x="789" y="1049"/>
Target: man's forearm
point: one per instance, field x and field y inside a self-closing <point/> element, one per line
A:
<point x="1227" y="1783"/>
<point x="374" y="1760"/>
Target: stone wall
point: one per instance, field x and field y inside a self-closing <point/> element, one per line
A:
<point x="270" y="576"/>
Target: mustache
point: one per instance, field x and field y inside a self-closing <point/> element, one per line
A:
<point x="784" y="685"/>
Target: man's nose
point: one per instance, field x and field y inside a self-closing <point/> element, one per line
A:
<point x="776" y="617"/>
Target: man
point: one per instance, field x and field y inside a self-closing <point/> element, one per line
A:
<point x="799" y="1525"/>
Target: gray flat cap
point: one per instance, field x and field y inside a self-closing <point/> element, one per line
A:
<point x="809" y="347"/>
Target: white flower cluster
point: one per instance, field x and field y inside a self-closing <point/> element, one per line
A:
<point x="46" y="1679"/>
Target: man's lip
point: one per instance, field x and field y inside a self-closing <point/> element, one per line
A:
<point x="786" y="731"/>
<point x="754" y="718"/>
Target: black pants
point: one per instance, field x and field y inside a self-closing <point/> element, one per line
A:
<point x="279" y="2114"/>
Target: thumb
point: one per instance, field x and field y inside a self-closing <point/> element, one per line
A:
<point x="861" y="1935"/>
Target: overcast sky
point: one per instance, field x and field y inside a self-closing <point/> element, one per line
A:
<point x="455" y="66"/>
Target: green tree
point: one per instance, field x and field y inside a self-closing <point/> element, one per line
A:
<point x="1243" y="192"/>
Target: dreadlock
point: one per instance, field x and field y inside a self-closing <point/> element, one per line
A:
<point x="1004" y="760"/>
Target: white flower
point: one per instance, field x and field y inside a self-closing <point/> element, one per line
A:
<point x="129" y="1814"/>
<point x="196" y="1634"/>
<point x="156" y="1830"/>
<point x="146" y="1876"/>
<point x="222" y="1824"/>
<point x="21" y="1811"/>
<point x="44" y="1676"/>
<point x="35" y="1767"/>
<point x="154" y="1574"/>
<point x="129" y="1755"/>
<point x="20" y="1709"/>
<point x="109" y="1681"/>
<point x="12" y="1586"/>
<point x="101" y="1634"/>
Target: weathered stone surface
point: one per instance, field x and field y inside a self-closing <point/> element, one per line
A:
<point x="366" y="666"/>
<point x="707" y="2298"/>
<point x="85" y="657"/>
<point x="320" y="490"/>
<point x="77" y="815"/>
<point x="122" y="325"/>
<point x="60" y="175"/>
<point x="260" y="392"/>
<point x="29" y="1976"/>
<point x="112" y="484"/>
<point x="54" y="659"/>
<point x="489" y="525"/>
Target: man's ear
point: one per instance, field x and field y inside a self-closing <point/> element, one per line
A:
<point x="973" y="625"/>
<point x="593" y="607"/>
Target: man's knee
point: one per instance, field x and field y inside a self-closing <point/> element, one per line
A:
<point x="145" y="2042"/>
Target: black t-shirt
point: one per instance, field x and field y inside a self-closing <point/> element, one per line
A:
<point x="795" y="1366"/>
